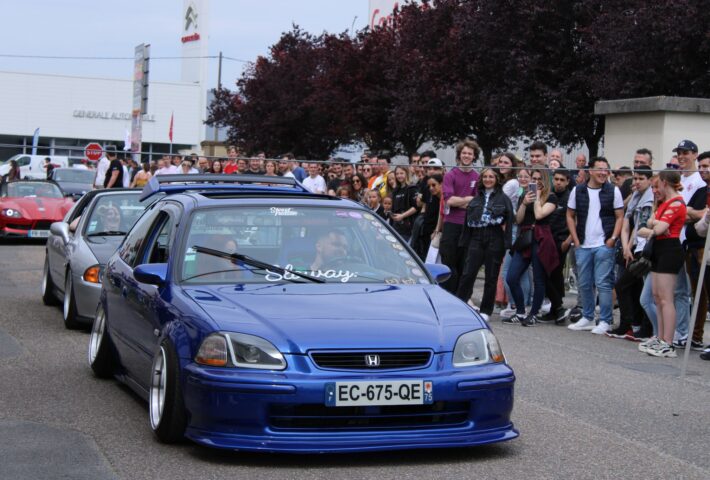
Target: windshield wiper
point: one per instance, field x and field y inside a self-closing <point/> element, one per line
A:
<point x="252" y="262"/>
<point x="106" y="233"/>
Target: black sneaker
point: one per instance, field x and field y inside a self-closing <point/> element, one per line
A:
<point x="514" y="320"/>
<point x="619" y="332"/>
<point x="575" y="314"/>
<point x="697" y="346"/>
<point x="561" y="315"/>
<point x="548" y="318"/>
<point x="705" y="356"/>
<point x="530" y="321"/>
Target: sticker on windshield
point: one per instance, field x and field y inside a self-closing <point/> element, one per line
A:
<point x="403" y="253"/>
<point x="355" y="214"/>
<point x="392" y="281"/>
<point x="411" y="263"/>
<point x="341" y="214"/>
<point x="397" y="246"/>
<point x="409" y="281"/>
<point x="417" y="272"/>
<point x="368" y="216"/>
<point x="376" y="223"/>
<point x="390" y="238"/>
<point x="283" y="212"/>
<point x="343" y="276"/>
<point x="423" y="280"/>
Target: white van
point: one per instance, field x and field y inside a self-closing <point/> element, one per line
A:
<point x="32" y="166"/>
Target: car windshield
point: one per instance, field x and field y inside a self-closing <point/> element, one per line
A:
<point x="337" y="245"/>
<point x="74" y="176"/>
<point x="115" y="214"/>
<point x="33" y="189"/>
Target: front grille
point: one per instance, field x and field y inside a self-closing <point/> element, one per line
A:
<point x="42" y="224"/>
<point x="387" y="360"/>
<point x="316" y="416"/>
<point x="17" y="226"/>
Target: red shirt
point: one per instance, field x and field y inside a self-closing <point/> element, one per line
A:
<point x="230" y="168"/>
<point x="673" y="215"/>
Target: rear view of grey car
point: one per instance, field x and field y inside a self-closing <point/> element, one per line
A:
<point x="79" y="246"/>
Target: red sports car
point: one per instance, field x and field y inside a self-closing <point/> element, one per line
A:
<point x="28" y="208"/>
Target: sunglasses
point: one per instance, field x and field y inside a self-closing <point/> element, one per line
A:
<point x="673" y="166"/>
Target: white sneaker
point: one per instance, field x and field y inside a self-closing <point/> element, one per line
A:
<point x="472" y="305"/>
<point x="546" y="307"/>
<point x="484" y="317"/>
<point x="583" y="324"/>
<point x="507" y="312"/>
<point x="601" y="329"/>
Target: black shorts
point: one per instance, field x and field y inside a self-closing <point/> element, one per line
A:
<point x="668" y="256"/>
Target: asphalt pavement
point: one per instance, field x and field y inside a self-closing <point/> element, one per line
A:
<point x="586" y="407"/>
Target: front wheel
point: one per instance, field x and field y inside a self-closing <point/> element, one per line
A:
<point x="167" y="409"/>
<point x="47" y="285"/>
<point x="101" y="357"/>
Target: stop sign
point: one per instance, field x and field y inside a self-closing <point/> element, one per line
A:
<point x="93" y="151"/>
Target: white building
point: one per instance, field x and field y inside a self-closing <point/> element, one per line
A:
<point x="72" y="111"/>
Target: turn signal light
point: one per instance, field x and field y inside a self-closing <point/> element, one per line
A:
<point x="213" y="351"/>
<point x="93" y="274"/>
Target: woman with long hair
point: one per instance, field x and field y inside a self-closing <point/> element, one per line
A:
<point x="534" y="244"/>
<point x="216" y="167"/>
<point x="358" y="187"/>
<point x="488" y="234"/>
<point x="404" y="202"/>
<point x="14" y="173"/>
<point x="666" y="259"/>
<point x="270" y="169"/>
<point x="142" y="177"/>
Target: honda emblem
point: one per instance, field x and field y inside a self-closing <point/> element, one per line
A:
<point x="372" y="360"/>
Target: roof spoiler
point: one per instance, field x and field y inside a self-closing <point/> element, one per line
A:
<point x="221" y="182"/>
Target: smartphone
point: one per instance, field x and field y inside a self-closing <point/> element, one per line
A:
<point x="532" y="187"/>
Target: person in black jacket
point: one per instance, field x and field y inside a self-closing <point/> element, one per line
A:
<point x="404" y="203"/>
<point x="488" y="234"/>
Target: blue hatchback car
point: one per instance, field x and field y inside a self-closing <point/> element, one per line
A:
<point x="264" y="317"/>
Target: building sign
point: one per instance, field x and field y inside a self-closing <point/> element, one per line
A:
<point x="109" y="115"/>
<point x="190" y="24"/>
<point x="140" y="97"/>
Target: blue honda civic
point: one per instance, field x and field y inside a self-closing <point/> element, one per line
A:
<point x="264" y="317"/>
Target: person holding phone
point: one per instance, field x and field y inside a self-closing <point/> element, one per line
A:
<point x="535" y="206"/>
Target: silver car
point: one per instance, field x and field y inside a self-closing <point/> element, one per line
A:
<point x="79" y="246"/>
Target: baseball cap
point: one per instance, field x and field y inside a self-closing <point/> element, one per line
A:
<point x="434" y="162"/>
<point x="686" y="145"/>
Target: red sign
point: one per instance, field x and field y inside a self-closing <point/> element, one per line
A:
<point x="93" y="151"/>
<point x="190" y="38"/>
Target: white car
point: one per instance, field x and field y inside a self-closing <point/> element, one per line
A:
<point x="32" y="166"/>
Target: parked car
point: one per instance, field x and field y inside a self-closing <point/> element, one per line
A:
<point x="79" y="246"/>
<point x="28" y="208"/>
<point x="325" y="334"/>
<point x="32" y="166"/>
<point x="74" y="182"/>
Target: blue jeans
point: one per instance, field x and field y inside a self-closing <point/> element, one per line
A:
<point x="517" y="270"/>
<point x="524" y="282"/>
<point x="681" y="300"/>
<point x="596" y="269"/>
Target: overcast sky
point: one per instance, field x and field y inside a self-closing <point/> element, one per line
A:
<point x="241" y="29"/>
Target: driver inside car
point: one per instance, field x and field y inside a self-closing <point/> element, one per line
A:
<point x="330" y="247"/>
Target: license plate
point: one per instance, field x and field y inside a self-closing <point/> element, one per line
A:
<point x="398" y="392"/>
<point x="39" y="233"/>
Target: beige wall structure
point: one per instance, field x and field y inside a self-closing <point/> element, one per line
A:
<point x="656" y="123"/>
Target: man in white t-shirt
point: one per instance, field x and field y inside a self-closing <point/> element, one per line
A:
<point x="314" y="182"/>
<point x="595" y="213"/>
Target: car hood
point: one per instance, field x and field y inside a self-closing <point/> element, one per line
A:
<point x="38" y="208"/>
<point x="103" y="246"/>
<point x="298" y="318"/>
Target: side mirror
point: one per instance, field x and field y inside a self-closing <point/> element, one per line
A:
<point x="441" y="273"/>
<point x="61" y="230"/>
<point x="151" y="273"/>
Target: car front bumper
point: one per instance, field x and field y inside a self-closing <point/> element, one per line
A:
<point x="286" y="412"/>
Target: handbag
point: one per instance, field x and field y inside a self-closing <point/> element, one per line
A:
<point x="639" y="267"/>
<point x="524" y="239"/>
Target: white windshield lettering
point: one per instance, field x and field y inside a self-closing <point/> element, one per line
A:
<point x="344" y="275"/>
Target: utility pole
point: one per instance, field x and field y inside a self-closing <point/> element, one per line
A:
<point x="219" y="87"/>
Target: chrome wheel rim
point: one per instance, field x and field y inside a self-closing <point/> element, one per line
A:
<point x="67" y="296"/>
<point x="97" y="335"/>
<point x="157" y="388"/>
<point x="44" y="277"/>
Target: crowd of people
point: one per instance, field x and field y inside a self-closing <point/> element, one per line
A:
<point x="634" y="237"/>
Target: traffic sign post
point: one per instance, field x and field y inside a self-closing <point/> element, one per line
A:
<point x="93" y="151"/>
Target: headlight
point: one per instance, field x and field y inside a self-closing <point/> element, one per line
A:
<point x="9" y="212"/>
<point x="239" y="350"/>
<point x="477" y="348"/>
<point x="93" y="274"/>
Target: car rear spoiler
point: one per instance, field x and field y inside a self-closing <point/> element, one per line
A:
<point x="219" y="182"/>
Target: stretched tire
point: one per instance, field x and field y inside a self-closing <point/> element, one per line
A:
<point x="101" y="358"/>
<point x="47" y="285"/>
<point x="168" y="418"/>
<point x="69" y="305"/>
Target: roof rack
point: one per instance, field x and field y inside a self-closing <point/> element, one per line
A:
<point x="221" y="182"/>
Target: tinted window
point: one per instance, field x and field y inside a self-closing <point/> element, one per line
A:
<point x="159" y="249"/>
<point x="334" y="244"/>
<point x="132" y="245"/>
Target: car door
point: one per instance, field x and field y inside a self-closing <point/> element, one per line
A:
<point x="144" y="302"/>
<point x="58" y="252"/>
<point x="118" y="275"/>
